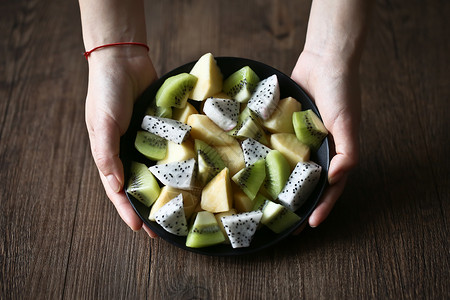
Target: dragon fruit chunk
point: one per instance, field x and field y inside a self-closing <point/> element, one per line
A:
<point x="265" y="98"/>
<point x="223" y="112"/>
<point x="253" y="151"/>
<point x="169" y="129"/>
<point x="171" y="217"/>
<point x="300" y="185"/>
<point x="179" y="174"/>
<point x="241" y="227"/>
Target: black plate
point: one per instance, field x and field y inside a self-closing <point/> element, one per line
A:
<point x="264" y="237"/>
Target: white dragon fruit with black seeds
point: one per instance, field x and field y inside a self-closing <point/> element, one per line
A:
<point x="300" y="185"/>
<point x="241" y="227"/>
<point x="171" y="217"/>
<point x="253" y="151"/>
<point x="265" y="98"/>
<point x="169" y="129"/>
<point x="223" y="112"/>
<point x="180" y="174"/>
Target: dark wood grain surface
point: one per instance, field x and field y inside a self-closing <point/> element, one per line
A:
<point x="387" y="238"/>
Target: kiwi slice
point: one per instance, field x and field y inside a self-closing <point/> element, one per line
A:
<point x="158" y="111"/>
<point x="142" y="185"/>
<point x="152" y="146"/>
<point x="205" y="231"/>
<point x="241" y="84"/>
<point x="245" y="113"/>
<point x="270" y="211"/>
<point x="259" y="202"/>
<point x="209" y="162"/>
<point x="277" y="173"/>
<point x="277" y="217"/>
<point x="175" y="90"/>
<point x="308" y="128"/>
<point x="251" y="178"/>
<point x="250" y="128"/>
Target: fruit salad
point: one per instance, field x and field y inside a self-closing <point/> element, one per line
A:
<point x="229" y="156"/>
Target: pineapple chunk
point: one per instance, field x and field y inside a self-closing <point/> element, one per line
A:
<point x="291" y="148"/>
<point x="177" y="152"/>
<point x="209" y="76"/>
<point x="190" y="201"/>
<point x="281" y="119"/>
<point x="206" y="130"/>
<point x="217" y="196"/>
<point x="182" y="114"/>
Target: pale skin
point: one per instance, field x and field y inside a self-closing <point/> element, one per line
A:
<point x="327" y="69"/>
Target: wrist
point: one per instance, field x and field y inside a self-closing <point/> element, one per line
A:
<point x="130" y="50"/>
<point x="118" y="55"/>
<point x="112" y="21"/>
<point x="336" y="30"/>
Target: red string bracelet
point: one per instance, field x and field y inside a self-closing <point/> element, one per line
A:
<point x="87" y="53"/>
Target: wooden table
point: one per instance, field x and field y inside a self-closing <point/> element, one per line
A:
<point x="387" y="237"/>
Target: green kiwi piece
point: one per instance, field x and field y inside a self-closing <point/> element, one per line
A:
<point x="209" y="162"/>
<point x="259" y="202"/>
<point x="277" y="173"/>
<point x="270" y="211"/>
<point x="175" y="90"/>
<point x="142" y="185"/>
<point x="250" y="178"/>
<point x="308" y="128"/>
<point x="152" y="146"/>
<point x="277" y="217"/>
<point x="241" y="84"/>
<point x="159" y="111"/>
<point x="250" y="128"/>
<point x="246" y="112"/>
<point x="204" y="231"/>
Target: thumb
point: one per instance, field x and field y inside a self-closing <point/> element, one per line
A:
<point x="104" y="134"/>
<point x="346" y="148"/>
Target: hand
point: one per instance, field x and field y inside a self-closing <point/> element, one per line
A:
<point x="117" y="76"/>
<point x="334" y="86"/>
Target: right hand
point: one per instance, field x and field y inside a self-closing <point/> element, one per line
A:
<point x="334" y="86"/>
<point x="117" y="76"/>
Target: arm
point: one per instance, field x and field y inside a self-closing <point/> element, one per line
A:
<point x="117" y="76"/>
<point x="328" y="70"/>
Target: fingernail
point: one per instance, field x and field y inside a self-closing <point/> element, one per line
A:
<point x="311" y="225"/>
<point x="113" y="183"/>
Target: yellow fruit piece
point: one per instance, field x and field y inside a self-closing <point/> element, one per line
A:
<point x="242" y="203"/>
<point x="281" y="119"/>
<point x="177" y="152"/>
<point x="217" y="195"/>
<point x="182" y="114"/>
<point x="219" y="221"/>
<point x="291" y="148"/>
<point x="209" y="76"/>
<point x="190" y="201"/>
<point x="206" y="130"/>
<point x="232" y="156"/>
<point x="227" y="146"/>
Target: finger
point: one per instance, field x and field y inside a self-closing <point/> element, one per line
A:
<point x="327" y="202"/>
<point x="346" y="148"/>
<point x="340" y="166"/>
<point x="123" y="206"/>
<point x="149" y="231"/>
<point x="104" y="135"/>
